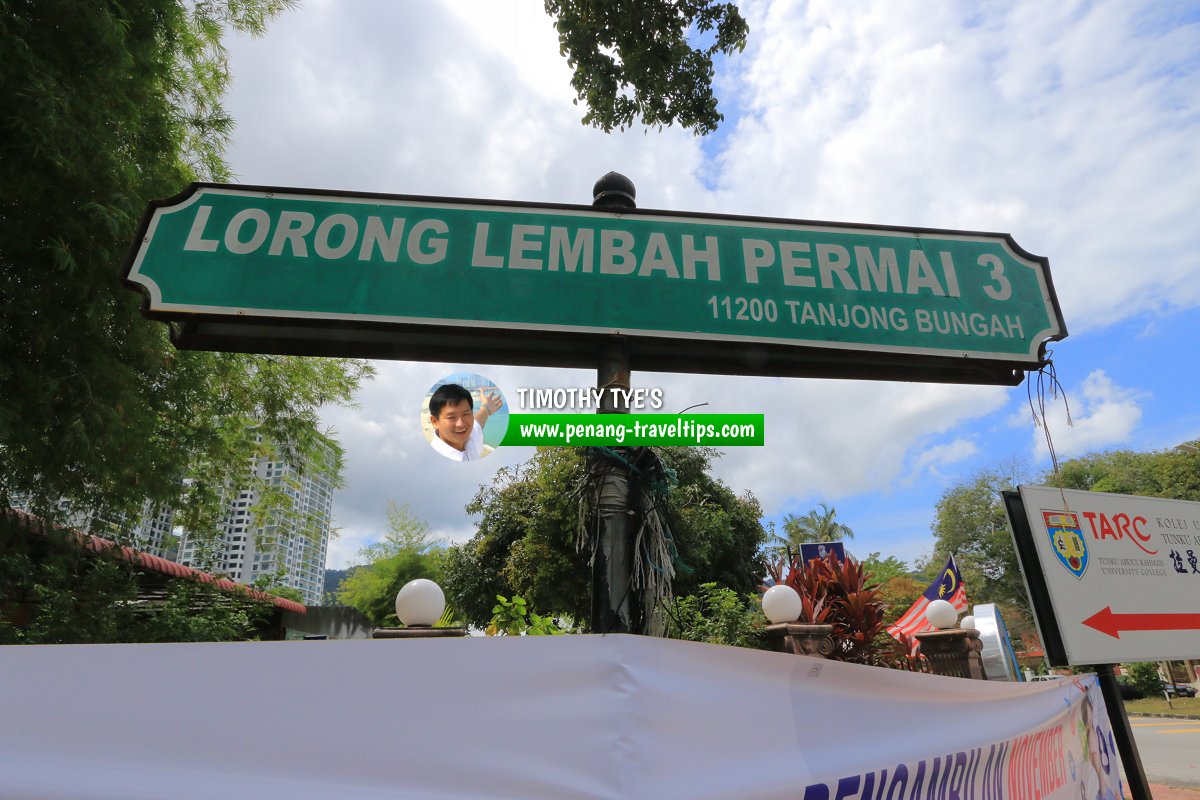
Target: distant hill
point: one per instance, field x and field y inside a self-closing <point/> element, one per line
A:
<point x="334" y="578"/>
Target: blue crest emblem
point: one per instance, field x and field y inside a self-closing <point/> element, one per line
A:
<point x="1066" y="539"/>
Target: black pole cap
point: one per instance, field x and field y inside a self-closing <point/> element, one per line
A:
<point x="614" y="190"/>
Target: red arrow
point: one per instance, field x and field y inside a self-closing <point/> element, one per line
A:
<point x="1107" y="622"/>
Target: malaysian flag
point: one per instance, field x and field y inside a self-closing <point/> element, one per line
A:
<point x="946" y="586"/>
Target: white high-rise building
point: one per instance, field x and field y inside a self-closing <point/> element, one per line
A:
<point x="154" y="534"/>
<point x="287" y="546"/>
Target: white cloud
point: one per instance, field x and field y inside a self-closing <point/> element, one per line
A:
<point x="945" y="454"/>
<point x="431" y="99"/>
<point x="1072" y="127"/>
<point x="824" y="438"/>
<point x="1102" y="414"/>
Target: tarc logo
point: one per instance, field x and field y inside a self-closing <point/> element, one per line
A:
<point x="1066" y="537"/>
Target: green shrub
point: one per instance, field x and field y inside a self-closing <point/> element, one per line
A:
<point x="717" y="615"/>
<point x="1144" y="677"/>
<point x="515" y="618"/>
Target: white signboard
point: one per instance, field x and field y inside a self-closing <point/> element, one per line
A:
<point x="1122" y="573"/>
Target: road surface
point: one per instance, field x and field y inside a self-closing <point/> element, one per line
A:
<point x="1170" y="749"/>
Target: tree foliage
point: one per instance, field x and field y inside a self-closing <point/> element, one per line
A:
<point x="406" y="533"/>
<point x="971" y="524"/>
<point x="524" y="544"/>
<point x="814" y="526"/>
<point x="1144" y="676"/>
<point x="1171" y="473"/>
<point x="881" y="570"/>
<point x="54" y="591"/>
<point x="525" y="540"/>
<point x="373" y="588"/>
<point x="898" y="594"/>
<point x="898" y="586"/>
<point x="287" y="593"/>
<point x="718" y="615"/>
<point x="107" y="107"/>
<point x="406" y="552"/>
<point x="514" y="618"/>
<point x="634" y="60"/>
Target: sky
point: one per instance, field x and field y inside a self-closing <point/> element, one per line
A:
<point x="1073" y="126"/>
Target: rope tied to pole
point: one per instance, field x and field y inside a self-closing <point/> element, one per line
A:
<point x="655" y="557"/>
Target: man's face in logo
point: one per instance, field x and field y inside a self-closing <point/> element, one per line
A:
<point x="454" y="424"/>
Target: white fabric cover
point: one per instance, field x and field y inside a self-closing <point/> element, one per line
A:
<point x="517" y="717"/>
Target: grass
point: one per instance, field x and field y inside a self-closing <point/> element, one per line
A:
<point x="1181" y="706"/>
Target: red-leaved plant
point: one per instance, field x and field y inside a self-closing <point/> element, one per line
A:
<point x="905" y="654"/>
<point x="841" y="593"/>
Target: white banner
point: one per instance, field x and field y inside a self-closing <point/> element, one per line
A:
<point x="531" y="717"/>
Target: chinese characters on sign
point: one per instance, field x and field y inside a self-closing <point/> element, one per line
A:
<point x="1117" y="569"/>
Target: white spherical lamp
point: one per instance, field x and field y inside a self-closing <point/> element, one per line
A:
<point x="967" y="621"/>
<point x="420" y="602"/>
<point x="941" y="614"/>
<point x="781" y="604"/>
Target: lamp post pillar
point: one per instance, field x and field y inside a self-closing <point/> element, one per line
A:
<point x="614" y="607"/>
<point x="801" y="639"/>
<point x="957" y="652"/>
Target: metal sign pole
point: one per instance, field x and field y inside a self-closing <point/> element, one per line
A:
<point x="614" y="607"/>
<point x="1135" y="773"/>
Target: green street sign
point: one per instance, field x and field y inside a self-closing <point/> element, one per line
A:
<point x="306" y="271"/>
